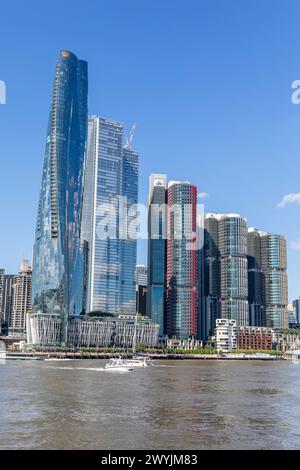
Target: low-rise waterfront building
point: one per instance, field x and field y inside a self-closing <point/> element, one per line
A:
<point x="226" y="334"/>
<point x="251" y="337"/>
<point x="92" y="332"/>
<point x="287" y="341"/>
<point x="189" y="344"/>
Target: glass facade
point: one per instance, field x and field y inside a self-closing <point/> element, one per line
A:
<point x="232" y="243"/>
<point x="111" y="172"/>
<point x="274" y="265"/>
<point x="58" y="252"/>
<point x="225" y="269"/>
<point x="255" y="279"/>
<point x="211" y="268"/>
<point x="157" y="226"/>
<point x="130" y="169"/>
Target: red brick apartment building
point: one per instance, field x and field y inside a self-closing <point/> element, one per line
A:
<point x="255" y="337"/>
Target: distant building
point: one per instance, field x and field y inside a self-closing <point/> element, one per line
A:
<point x="296" y="305"/>
<point x="7" y="301"/>
<point x="252" y="337"/>
<point x="141" y="275"/>
<point x="141" y="300"/>
<point x="226" y="334"/>
<point x="22" y="300"/>
<point x="292" y="318"/>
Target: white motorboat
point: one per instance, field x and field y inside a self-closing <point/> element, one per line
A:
<point x="139" y="361"/>
<point x="119" y="365"/>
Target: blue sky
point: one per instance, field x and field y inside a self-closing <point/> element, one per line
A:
<point x="208" y="83"/>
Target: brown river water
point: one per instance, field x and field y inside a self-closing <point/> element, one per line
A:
<point x="175" y="405"/>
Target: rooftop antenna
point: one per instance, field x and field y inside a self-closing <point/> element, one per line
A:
<point x="130" y="139"/>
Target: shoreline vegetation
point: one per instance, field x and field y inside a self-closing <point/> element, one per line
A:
<point x="159" y="353"/>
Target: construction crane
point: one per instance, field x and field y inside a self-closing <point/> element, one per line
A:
<point x="131" y="136"/>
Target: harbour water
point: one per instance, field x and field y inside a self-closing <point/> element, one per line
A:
<point x="175" y="405"/>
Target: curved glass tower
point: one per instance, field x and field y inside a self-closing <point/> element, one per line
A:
<point x="58" y="280"/>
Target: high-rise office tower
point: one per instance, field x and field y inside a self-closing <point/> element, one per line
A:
<point x="255" y="279"/>
<point x="245" y="273"/>
<point x="58" y="252"/>
<point x="212" y="301"/>
<point x="130" y="178"/>
<point x="182" y="261"/>
<point x="157" y="229"/>
<point x="110" y="195"/>
<point x="226" y="273"/>
<point x="296" y="305"/>
<point x="22" y="300"/>
<point x="274" y="266"/>
<point x="232" y="243"/>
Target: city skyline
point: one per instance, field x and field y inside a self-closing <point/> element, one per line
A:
<point x="254" y="140"/>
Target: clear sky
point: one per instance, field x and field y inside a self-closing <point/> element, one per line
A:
<point x="208" y="83"/>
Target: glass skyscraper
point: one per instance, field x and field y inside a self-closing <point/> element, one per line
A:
<point x="182" y="262"/>
<point x="157" y="229"/>
<point x="232" y="243"/>
<point x="58" y="285"/>
<point x="226" y="269"/>
<point x="130" y="168"/>
<point x="274" y="266"/>
<point x="212" y="301"/>
<point x="110" y="192"/>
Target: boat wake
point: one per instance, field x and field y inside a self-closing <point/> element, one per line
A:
<point x="96" y="369"/>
